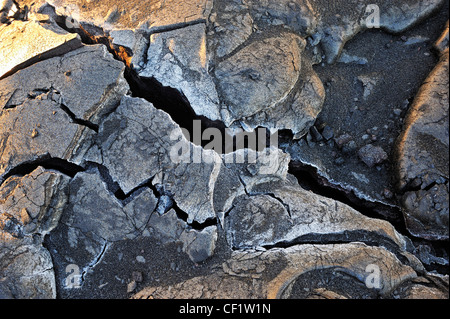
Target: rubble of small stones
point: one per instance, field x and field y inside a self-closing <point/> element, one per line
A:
<point x="103" y="194"/>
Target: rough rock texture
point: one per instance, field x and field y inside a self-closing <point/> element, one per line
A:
<point x="26" y="268"/>
<point x="92" y="209"/>
<point x="179" y="59"/>
<point x="423" y="158"/>
<point x="45" y="108"/>
<point x="26" y="272"/>
<point x="135" y="151"/>
<point x="364" y="106"/>
<point x="276" y="273"/>
<point x="24" y="203"/>
<point x="44" y="41"/>
<point x="427" y="287"/>
<point x="442" y="43"/>
<point x="253" y="90"/>
<point x="289" y="214"/>
<point x="103" y="194"/>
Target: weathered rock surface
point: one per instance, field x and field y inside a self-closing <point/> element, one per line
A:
<point x="42" y="41"/>
<point x="26" y="272"/>
<point x="250" y="85"/>
<point x="426" y="287"/>
<point x="142" y="206"/>
<point x="45" y="107"/>
<point x="279" y="273"/>
<point x="92" y="210"/>
<point x="95" y="217"/>
<point x="26" y="268"/>
<point x="289" y="214"/>
<point x="135" y="151"/>
<point x="24" y="203"/>
<point x="231" y="28"/>
<point x="257" y="93"/>
<point x="442" y="43"/>
<point x="423" y="158"/>
<point x="180" y="59"/>
<point x="331" y="25"/>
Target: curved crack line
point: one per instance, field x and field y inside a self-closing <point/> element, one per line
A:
<point x="94" y="262"/>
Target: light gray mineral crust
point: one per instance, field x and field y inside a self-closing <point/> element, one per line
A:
<point x="290" y="214"/>
<point x="26" y="268"/>
<point x="139" y="144"/>
<point x="46" y="41"/>
<point x="105" y="191"/>
<point x="251" y="275"/>
<point x="180" y="59"/>
<point x="423" y="156"/>
<point x="41" y="105"/>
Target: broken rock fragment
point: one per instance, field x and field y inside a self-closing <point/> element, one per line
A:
<point x="26" y="272"/>
<point x="372" y="155"/>
<point x="46" y="109"/>
<point x="25" y="202"/>
<point x="288" y="273"/>
<point x="29" y="209"/>
<point x="286" y="214"/>
<point x="423" y="155"/>
<point x="93" y="209"/>
<point x="259" y="85"/>
<point x="38" y="42"/>
<point x="179" y="59"/>
<point x="135" y="151"/>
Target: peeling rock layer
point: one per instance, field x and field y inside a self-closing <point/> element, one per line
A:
<point x="90" y="173"/>
<point x="423" y="158"/>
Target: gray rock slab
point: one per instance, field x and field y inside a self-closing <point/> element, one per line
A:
<point x="180" y="59"/>
<point x="120" y="14"/>
<point x="42" y="41"/>
<point x="278" y="273"/>
<point x="26" y="272"/>
<point x="140" y="143"/>
<point x="257" y="81"/>
<point x="93" y="209"/>
<point x="275" y="215"/>
<point x="29" y="209"/>
<point x="68" y="75"/>
<point x="40" y="105"/>
<point x="25" y="203"/>
<point x="422" y="157"/>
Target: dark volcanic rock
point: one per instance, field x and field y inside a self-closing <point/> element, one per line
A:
<point x="103" y="194"/>
<point x="423" y="157"/>
<point x="372" y="155"/>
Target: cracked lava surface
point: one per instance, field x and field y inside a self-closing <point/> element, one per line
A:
<point x="98" y="99"/>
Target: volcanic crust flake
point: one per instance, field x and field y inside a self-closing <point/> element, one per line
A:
<point x="106" y="190"/>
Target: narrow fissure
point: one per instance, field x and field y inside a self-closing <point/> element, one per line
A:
<point x="113" y="187"/>
<point x="166" y="202"/>
<point x="309" y="179"/>
<point x="167" y="99"/>
<point x="78" y="121"/>
<point x="368" y="238"/>
<point x="95" y="262"/>
<point x="50" y="163"/>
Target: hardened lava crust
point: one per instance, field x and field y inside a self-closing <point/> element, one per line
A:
<point x="217" y="149"/>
